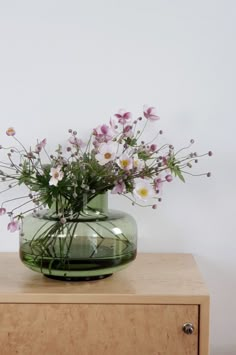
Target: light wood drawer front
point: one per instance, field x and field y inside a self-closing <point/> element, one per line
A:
<point x="97" y="329"/>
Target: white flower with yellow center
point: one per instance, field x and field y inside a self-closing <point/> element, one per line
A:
<point x="143" y="189"/>
<point x="125" y="162"/>
<point x="106" y="153"/>
<point x="138" y="163"/>
<point x="56" y="175"/>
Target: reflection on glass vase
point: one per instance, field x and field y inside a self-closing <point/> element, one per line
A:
<point x="94" y="245"/>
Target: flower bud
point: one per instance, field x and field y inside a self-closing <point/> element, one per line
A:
<point x="169" y="178"/>
<point x="10" y="131"/>
<point x="153" y="147"/>
<point x="63" y="220"/>
<point x="2" y="211"/>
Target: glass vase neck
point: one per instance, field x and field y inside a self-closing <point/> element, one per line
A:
<point x="98" y="205"/>
<point x="90" y="208"/>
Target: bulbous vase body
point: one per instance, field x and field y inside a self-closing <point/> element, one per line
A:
<point x="95" y="245"/>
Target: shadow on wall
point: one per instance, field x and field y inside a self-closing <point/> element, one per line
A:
<point x="221" y="280"/>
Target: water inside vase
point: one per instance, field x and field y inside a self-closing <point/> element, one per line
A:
<point x="84" y="259"/>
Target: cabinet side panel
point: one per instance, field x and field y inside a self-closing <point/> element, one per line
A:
<point x="204" y="317"/>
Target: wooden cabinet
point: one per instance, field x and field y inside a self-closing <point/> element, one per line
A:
<point x="137" y="311"/>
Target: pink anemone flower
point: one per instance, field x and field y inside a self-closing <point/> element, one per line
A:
<point x="76" y="142"/>
<point x="40" y="145"/>
<point x="2" y="211"/>
<point x="119" y="188"/>
<point x="13" y="226"/>
<point x="150" y="113"/>
<point x="123" y="116"/>
<point x="103" y="133"/>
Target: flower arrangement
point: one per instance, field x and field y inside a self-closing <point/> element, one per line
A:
<point x="116" y="158"/>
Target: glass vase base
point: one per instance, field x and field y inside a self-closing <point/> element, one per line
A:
<point x="77" y="269"/>
<point x="81" y="278"/>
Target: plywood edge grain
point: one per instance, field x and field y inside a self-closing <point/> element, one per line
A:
<point x="204" y="326"/>
<point x="103" y="299"/>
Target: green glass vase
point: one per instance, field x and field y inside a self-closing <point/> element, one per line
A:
<point x="94" y="245"/>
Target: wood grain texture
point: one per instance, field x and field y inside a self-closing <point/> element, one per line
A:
<point x="204" y="324"/>
<point x="151" y="278"/>
<point x="60" y="329"/>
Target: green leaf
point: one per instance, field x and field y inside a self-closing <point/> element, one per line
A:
<point x="178" y="173"/>
<point x="180" y="176"/>
<point x="174" y="168"/>
<point x="131" y="141"/>
<point x="143" y="155"/>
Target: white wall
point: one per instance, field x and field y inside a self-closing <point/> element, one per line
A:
<point x="72" y="63"/>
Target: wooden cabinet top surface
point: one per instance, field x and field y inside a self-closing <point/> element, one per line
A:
<point x="151" y="278"/>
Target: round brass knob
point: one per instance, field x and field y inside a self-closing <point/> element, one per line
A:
<point x="188" y="328"/>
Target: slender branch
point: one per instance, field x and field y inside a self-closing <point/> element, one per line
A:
<point x="20" y="144"/>
<point x="184" y="148"/>
<point x="45" y="151"/>
<point x="186" y="172"/>
<point x="13" y="199"/>
<point x="31" y="209"/>
<point x="134" y="201"/>
<point x="9" y="188"/>
<point x="7" y="167"/>
<point x="23" y="204"/>
<point x="144" y="127"/>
